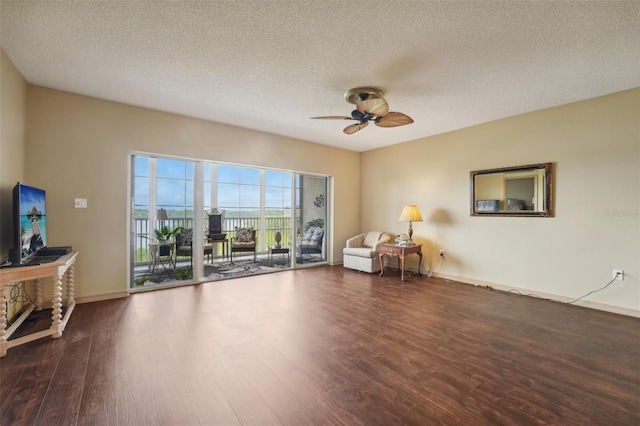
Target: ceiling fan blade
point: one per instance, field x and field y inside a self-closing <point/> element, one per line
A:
<point x="355" y="127"/>
<point x="393" y="119"/>
<point x="375" y="106"/>
<point x="333" y="117"/>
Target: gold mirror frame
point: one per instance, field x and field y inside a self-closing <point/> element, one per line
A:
<point x="494" y="200"/>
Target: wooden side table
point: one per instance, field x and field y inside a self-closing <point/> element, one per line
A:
<point x="400" y="252"/>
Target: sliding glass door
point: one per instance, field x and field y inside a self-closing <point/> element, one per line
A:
<point x="163" y="206"/>
<point x="189" y="219"/>
<point x="311" y="219"/>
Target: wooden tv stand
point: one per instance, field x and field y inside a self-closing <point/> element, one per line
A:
<point x="55" y="270"/>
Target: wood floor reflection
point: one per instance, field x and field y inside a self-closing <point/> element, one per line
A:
<point x="328" y="345"/>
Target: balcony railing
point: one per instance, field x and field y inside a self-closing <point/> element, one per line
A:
<point x="144" y="232"/>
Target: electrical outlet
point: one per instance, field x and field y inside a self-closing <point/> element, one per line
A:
<point x="442" y="253"/>
<point x="618" y="274"/>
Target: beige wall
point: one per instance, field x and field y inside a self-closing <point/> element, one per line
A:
<point x="77" y="147"/>
<point x="13" y="90"/>
<point x="595" y="145"/>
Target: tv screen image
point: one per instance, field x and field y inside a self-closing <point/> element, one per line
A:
<point x="30" y="207"/>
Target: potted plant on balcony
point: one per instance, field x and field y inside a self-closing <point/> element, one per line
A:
<point x="165" y="238"/>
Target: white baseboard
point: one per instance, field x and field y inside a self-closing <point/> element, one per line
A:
<point x="101" y="297"/>
<point x="453" y="278"/>
<point x="554" y="297"/>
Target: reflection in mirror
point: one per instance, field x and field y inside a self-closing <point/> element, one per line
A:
<point x="513" y="191"/>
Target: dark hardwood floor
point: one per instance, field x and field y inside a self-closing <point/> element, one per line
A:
<point x="328" y="345"/>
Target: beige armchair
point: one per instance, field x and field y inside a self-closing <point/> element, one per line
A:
<point x="361" y="252"/>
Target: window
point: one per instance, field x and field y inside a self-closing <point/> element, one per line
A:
<point x="172" y="193"/>
<point x="277" y="206"/>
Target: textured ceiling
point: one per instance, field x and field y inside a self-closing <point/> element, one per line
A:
<point x="270" y="65"/>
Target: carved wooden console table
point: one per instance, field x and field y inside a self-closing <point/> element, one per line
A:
<point x="55" y="270"/>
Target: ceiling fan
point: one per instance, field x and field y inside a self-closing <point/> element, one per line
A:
<point x="370" y="106"/>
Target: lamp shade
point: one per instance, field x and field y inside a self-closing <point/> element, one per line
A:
<point x="162" y="214"/>
<point x="410" y="213"/>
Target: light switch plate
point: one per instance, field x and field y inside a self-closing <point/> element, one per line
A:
<point x="81" y="203"/>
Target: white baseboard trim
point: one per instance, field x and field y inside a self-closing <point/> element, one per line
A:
<point x="101" y="297"/>
<point x="554" y="297"/>
<point x="453" y="278"/>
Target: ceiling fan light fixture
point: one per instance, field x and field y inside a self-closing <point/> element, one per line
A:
<point x="359" y="115"/>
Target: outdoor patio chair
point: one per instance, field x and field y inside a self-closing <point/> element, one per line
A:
<point x="244" y="241"/>
<point x="184" y="244"/>
<point x="311" y="243"/>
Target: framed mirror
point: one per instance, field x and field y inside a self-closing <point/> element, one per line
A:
<point x="513" y="191"/>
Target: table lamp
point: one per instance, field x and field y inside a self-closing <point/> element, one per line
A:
<point x="411" y="214"/>
<point x="162" y="216"/>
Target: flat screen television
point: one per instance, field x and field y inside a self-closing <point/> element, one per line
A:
<point x="30" y="222"/>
